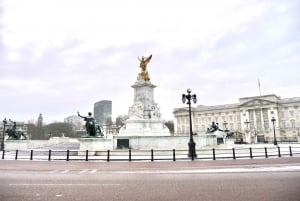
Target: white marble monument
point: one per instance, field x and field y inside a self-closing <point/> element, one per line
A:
<point x="144" y="114"/>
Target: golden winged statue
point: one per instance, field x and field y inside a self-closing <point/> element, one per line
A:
<point x="143" y="65"/>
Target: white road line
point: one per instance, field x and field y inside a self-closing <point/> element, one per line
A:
<point x="64" y="184"/>
<point x="84" y="171"/>
<point x="53" y="171"/>
<point x="64" y="171"/>
<point x="93" y="171"/>
<point x="216" y="170"/>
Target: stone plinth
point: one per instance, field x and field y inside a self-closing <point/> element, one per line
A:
<point x="12" y="145"/>
<point x="165" y="142"/>
<point x="95" y="144"/>
<point x="144" y="114"/>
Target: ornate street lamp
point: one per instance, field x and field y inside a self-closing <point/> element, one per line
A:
<point x="186" y="98"/>
<point x="2" y="142"/>
<point x="273" y="121"/>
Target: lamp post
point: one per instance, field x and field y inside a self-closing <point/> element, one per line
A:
<point x="186" y="98"/>
<point x="2" y="142"/>
<point x="273" y="121"/>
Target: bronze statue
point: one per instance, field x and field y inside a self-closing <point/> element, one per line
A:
<point x="143" y="65"/>
<point x="91" y="127"/>
<point x="13" y="133"/>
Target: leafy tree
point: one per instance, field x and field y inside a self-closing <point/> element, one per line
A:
<point x="36" y="133"/>
<point x="59" y="128"/>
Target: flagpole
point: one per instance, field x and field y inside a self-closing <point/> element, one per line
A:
<point x="259" y="87"/>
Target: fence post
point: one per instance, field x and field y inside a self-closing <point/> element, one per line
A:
<point x="129" y="154"/>
<point x="108" y="156"/>
<point x="31" y="155"/>
<point x="266" y="152"/>
<point x="291" y="153"/>
<point x="3" y="153"/>
<point x="233" y="153"/>
<point x="279" y="154"/>
<point x="214" y="154"/>
<point x="68" y="154"/>
<point x="251" y="156"/>
<point x="174" y="155"/>
<point x="152" y="155"/>
<point x="49" y="156"/>
<point x="86" y="155"/>
<point x="16" y="157"/>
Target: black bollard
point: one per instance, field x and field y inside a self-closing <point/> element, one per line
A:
<point x="86" y="155"/>
<point x="16" y="157"/>
<point x="49" y="156"/>
<point x="233" y="153"/>
<point x="31" y="155"/>
<point x="174" y="155"/>
<point x="108" y="155"/>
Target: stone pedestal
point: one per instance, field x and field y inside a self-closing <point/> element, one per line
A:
<point x="94" y="145"/>
<point x="144" y="114"/>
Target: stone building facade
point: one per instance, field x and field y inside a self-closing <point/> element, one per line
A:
<point x="250" y="119"/>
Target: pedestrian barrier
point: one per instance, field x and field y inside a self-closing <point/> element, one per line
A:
<point x="152" y="155"/>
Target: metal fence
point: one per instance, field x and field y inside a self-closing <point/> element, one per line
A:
<point x="152" y="155"/>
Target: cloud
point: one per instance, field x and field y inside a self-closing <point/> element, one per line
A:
<point x="73" y="54"/>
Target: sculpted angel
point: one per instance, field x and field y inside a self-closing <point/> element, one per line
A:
<point x="143" y="65"/>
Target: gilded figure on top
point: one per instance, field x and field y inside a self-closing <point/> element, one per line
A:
<point x="143" y="65"/>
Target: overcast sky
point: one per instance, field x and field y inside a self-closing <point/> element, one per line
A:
<point x="58" y="57"/>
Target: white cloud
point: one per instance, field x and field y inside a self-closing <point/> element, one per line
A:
<point x="61" y="56"/>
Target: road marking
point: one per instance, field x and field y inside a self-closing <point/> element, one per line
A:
<point x="64" y="171"/>
<point x="84" y="171"/>
<point x="64" y="184"/>
<point x="216" y="170"/>
<point x="53" y="171"/>
<point x="93" y="171"/>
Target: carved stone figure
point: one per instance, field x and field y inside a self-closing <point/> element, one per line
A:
<point x="214" y="127"/>
<point x="91" y="127"/>
<point x="143" y="65"/>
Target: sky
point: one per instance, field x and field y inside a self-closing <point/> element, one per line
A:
<point x="58" y="57"/>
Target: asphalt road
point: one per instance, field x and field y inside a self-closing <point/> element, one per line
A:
<point x="228" y="180"/>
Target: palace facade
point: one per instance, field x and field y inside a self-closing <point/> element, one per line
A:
<point x="249" y="119"/>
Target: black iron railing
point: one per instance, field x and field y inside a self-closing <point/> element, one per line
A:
<point x="152" y="155"/>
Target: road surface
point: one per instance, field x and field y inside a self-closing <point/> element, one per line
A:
<point x="226" y="180"/>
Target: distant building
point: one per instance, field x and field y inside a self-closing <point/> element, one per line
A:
<point x="40" y="121"/>
<point x="250" y="117"/>
<point x="102" y="112"/>
<point x="76" y="122"/>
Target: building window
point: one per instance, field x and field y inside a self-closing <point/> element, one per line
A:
<point x="291" y="113"/>
<point x="293" y="123"/>
<point x="282" y="124"/>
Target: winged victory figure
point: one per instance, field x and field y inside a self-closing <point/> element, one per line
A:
<point x="143" y="65"/>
